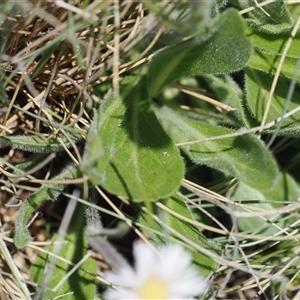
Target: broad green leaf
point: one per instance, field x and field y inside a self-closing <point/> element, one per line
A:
<point x="274" y="43"/>
<point x="128" y="152"/>
<point x="264" y="18"/>
<point x="258" y="87"/>
<point x="81" y="284"/>
<point x="244" y="157"/>
<point x="218" y="49"/>
<point x="212" y="118"/>
<point x="37" y="143"/>
<point x="286" y="190"/>
<point x="46" y="192"/>
<point x="294" y="10"/>
<point x="256" y="203"/>
<point x="268" y="63"/>
<point x="272" y="29"/>
<point x="269" y="48"/>
<point x="186" y="228"/>
<point x="184" y="19"/>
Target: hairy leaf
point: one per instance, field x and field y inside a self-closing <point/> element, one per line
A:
<point x="127" y="150"/>
<point x="37" y="143"/>
<point x="268" y="63"/>
<point x="270" y="16"/>
<point x="274" y="43"/>
<point x="269" y="48"/>
<point x="244" y="157"/>
<point x="286" y="190"/>
<point x="46" y="192"/>
<point x="258" y="87"/>
<point x="218" y="49"/>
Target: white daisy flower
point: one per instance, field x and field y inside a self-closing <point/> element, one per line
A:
<point x="167" y="275"/>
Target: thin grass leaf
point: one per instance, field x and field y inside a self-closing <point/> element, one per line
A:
<point x="6" y="24"/>
<point x="7" y="257"/>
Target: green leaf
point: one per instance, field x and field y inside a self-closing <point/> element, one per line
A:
<point x="46" y="192"/>
<point x="218" y="49"/>
<point x="269" y="48"/>
<point x="256" y="203"/>
<point x="217" y="6"/>
<point x="268" y="63"/>
<point x="49" y="49"/>
<point x="258" y="86"/>
<point x="286" y="190"/>
<point x="294" y="10"/>
<point x="274" y="14"/>
<point x="244" y="157"/>
<point x="186" y="228"/>
<point x="37" y="143"/>
<point x="274" y="43"/>
<point x="227" y="90"/>
<point x="127" y="150"/>
<point x="80" y="285"/>
<point x="30" y="163"/>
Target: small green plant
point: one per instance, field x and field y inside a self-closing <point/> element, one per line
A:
<point x="118" y="101"/>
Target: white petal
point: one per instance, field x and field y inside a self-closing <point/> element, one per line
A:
<point x="111" y="294"/>
<point x="174" y="262"/>
<point x="184" y="280"/>
<point x="188" y="286"/>
<point x="173" y="265"/>
<point x="119" y="294"/>
<point x="146" y="260"/>
<point x="125" y="277"/>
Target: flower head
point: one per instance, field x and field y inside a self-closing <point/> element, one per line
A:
<point x="167" y="275"/>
